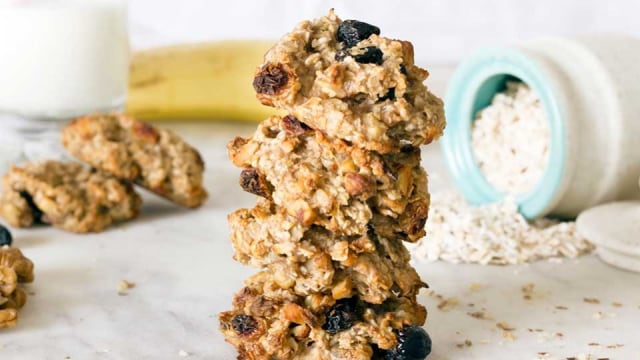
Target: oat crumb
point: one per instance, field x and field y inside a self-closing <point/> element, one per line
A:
<point x="616" y="304"/>
<point x="480" y="315"/>
<point x="124" y="286"/>
<point x="448" y="304"/>
<point x="591" y="300"/>
<point x="504" y="326"/>
<point x="593" y="344"/>
<point x="560" y="307"/>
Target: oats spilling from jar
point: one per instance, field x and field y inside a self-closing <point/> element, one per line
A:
<point x="510" y="139"/>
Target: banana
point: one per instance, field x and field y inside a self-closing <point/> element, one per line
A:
<point x="197" y="81"/>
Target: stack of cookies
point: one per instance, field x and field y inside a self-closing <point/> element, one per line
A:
<point x="339" y="187"/>
<point x="120" y="151"/>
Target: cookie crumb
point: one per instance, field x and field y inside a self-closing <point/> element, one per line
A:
<point x="124" y="286"/>
<point x="591" y="300"/>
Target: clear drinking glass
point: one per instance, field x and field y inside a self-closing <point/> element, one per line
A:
<point x="59" y="59"/>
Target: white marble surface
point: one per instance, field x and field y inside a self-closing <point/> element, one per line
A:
<point x="181" y="263"/>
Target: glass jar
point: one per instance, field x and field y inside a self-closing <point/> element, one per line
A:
<point x="589" y="88"/>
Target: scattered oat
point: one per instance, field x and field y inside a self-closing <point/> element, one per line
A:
<point x="448" y="304"/>
<point x="466" y="343"/>
<point x="615" y="346"/>
<point x="493" y="234"/>
<point x="504" y="326"/>
<point x="480" y="315"/>
<point x="593" y="344"/>
<point x="508" y="335"/>
<point x="591" y="300"/>
<point x="183" y="353"/>
<point x="124" y="286"/>
<point x="616" y="304"/>
<point x="560" y="307"/>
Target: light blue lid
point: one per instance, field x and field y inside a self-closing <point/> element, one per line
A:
<point x="472" y="87"/>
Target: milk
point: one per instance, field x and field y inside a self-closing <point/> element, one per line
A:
<point x="62" y="58"/>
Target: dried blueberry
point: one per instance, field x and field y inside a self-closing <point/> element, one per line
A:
<point x="413" y="344"/>
<point x="403" y="69"/>
<point x="390" y="95"/>
<point x="244" y="325"/>
<point x="352" y="32"/>
<point x="371" y="55"/>
<point x="341" y="316"/>
<point x="271" y="79"/>
<point x="5" y="236"/>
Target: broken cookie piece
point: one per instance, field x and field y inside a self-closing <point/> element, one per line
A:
<point x="343" y="78"/>
<point x="156" y="159"/>
<point x="15" y="269"/>
<point x="66" y="195"/>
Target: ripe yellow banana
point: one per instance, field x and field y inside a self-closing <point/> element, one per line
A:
<point x="197" y="81"/>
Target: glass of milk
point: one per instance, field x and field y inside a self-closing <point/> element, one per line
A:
<point x="58" y="59"/>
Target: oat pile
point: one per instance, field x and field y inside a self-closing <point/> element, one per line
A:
<point x="493" y="234"/>
<point x="510" y="139"/>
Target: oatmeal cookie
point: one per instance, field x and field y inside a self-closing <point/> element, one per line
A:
<point x="329" y="182"/>
<point x="15" y="269"/>
<point x="319" y="327"/>
<point x="309" y="260"/>
<point x="155" y="159"/>
<point x="344" y="79"/>
<point x="66" y="195"/>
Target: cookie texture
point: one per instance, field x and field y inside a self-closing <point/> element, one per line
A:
<point x="329" y="182"/>
<point x="352" y="84"/>
<point x="130" y="149"/>
<point x="66" y="195"/>
<point x="288" y="326"/>
<point x="15" y="269"/>
<point x="313" y="259"/>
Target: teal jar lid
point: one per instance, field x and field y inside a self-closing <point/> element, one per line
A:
<point x="471" y="89"/>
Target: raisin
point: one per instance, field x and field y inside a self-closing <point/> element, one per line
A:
<point x="244" y="325"/>
<point x="5" y="236"/>
<point x="390" y="95"/>
<point x="35" y="210"/>
<point x="371" y="55"/>
<point x="351" y="32"/>
<point x="403" y="69"/>
<point x="292" y="125"/>
<point x="253" y="182"/>
<point x="413" y="344"/>
<point x="341" y="316"/>
<point x="271" y="79"/>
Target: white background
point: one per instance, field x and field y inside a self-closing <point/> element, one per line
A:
<point x="443" y="31"/>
